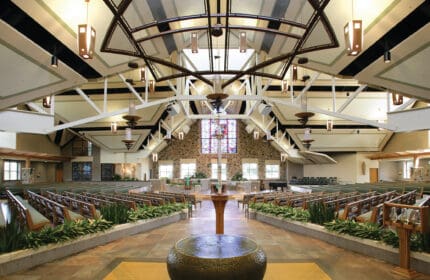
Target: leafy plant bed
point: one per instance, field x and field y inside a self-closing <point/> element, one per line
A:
<point x="373" y="248"/>
<point x="27" y="258"/>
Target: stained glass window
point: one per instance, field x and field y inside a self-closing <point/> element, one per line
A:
<point x="209" y="140"/>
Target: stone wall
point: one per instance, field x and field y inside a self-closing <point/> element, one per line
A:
<point x="247" y="147"/>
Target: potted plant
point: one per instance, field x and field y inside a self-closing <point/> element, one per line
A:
<point x="238" y="177"/>
<point x="198" y="175"/>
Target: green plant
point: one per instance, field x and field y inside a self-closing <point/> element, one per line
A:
<point x="199" y="175"/>
<point x="282" y="211"/>
<point x="238" y="177"/>
<point x="116" y="177"/>
<point x="116" y="213"/>
<point x="320" y="214"/>
<point x="12" y="235"/>
<point x="362" y="230"/>
<point x="64" y="232"/>
<point x="150" y="212"/>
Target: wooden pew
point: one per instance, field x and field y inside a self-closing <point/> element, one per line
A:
<point x="144" y="201"/>
<point x="98" y="203"/>
<point x="356" y="208"/>
<point x="27" y="215"/>
<point x="375" y="215"/>
<point x="57" y="212"/>
<point x="129" y="203"/>
<point x="339" y="204"/>
<point x="86" y="209"/>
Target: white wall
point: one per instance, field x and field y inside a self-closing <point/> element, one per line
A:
<point x="349" y="168"/>
<point x="390" y="170"/>
<point x="8" y="140"/>
<point x="143" y="163"/>
<point x="364" y="163"/>
<point x="345" y="170"/>
<point x="293" y="170"/>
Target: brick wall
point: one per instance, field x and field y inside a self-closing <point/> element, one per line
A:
<point x="190" y="148"/>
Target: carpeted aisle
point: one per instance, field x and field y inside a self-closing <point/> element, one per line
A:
<point x="275" y="271"/>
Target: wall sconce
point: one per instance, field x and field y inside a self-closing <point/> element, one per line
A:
<point x="46" y="102"/>
<point x="242" y="42"/>
<point x="256" y="135"/>
<point x="353" y="32"/>
<point x="329" y="125"/>
<point x="194" y="42"/>
<point x="181" y="135"/>
<point x="154" y="157"/>
<point x="113" y="127"/>
<point x="54" y="61"/>
<point x="397" y="99"/>
<point x="86" y="38"/>
<point x="387" y="56"/>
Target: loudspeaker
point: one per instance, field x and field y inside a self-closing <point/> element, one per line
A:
<point x="173" y="109"/>
<point x="264" y="109"/>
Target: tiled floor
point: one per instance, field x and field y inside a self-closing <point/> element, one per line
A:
<point x="279" y="245"/>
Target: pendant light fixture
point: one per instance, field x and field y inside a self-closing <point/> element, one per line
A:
<point x="397" y="99"/>
<point x="307" y="138"/>
<point x="387" y="56"/>
<point x="242" y="42"/>
<point x="329" y="125"/>
<point x="353" y="32"/>
<point x="113" y="127"/>
<point x="154" y="157"/>
<point x="46" y="102"/>
<point x="194" y="43"/>
<point x="86" y="38"/>
<point x="54" y="61"/>
<point x="128" y="141"/>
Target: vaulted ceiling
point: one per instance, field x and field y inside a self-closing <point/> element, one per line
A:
<point x="353" y="91"/>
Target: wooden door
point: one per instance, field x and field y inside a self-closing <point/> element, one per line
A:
<point x="373" y="173"/>
<point x="59" y="173"/>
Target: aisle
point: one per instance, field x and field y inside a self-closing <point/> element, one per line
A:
<point x="280" y="246"/>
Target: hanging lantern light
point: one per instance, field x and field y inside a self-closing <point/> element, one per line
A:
<point x="113" y="127"/>
<point x="397" y="99"/>
<point x="154" y="157"/>
<point x="329" y="125"/>
<point x="46" y="102"/>
<point x="86" y="38"/>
